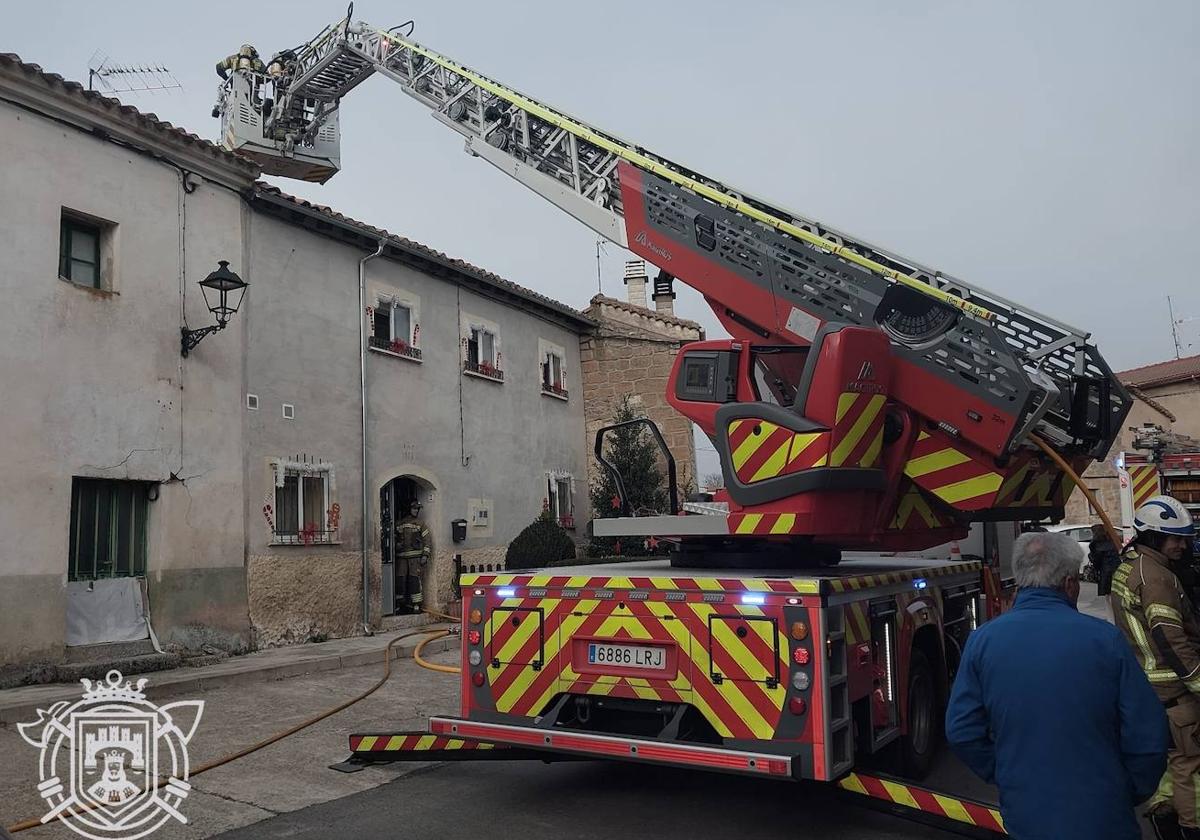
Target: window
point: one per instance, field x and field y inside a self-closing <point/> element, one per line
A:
<point x="560" y="498"/>
<point x="777" y="372"/>
<point x="289" y="411"/>
<point x="553" y="380"/>
<point x="108" y="528"/>
<point x="302" y="508"/>
<point x="483" y="353"/>
<point x="79" y="251"/>
<point x="394" y="330"/>
<point x="252" y="402"/>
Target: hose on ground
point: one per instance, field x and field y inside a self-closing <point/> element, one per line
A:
<point x="279" y="736"/>
<point x="433" y="666"/>
<point x="425" y="663"/>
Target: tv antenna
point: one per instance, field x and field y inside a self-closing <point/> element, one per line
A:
<point x="113" y="77"/>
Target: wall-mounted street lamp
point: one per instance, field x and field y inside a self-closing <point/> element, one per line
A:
<point x="223" y="291"/>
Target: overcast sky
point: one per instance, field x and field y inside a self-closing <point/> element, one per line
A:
<point x="1046" y="151"/>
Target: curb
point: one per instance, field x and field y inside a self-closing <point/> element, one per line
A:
<point x="180" y="682"/>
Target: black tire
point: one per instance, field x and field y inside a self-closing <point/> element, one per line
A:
<point x="919" y="744"/>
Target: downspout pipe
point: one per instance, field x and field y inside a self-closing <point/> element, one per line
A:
<point x="362" y="393"/>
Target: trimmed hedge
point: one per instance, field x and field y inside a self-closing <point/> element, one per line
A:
<point x="543" y="543"/>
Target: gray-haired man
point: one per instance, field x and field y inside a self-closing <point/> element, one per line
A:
<point x="1052" y="707"/>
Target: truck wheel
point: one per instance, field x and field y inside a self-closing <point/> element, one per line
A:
<point x="919" y="744"/>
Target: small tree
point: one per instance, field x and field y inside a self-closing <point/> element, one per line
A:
<point x="712" y="482"/>
<point x="634" y="453"/>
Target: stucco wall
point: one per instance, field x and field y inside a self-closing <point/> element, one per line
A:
<point x="94" y="385"/>
<point x="303" y="349"/>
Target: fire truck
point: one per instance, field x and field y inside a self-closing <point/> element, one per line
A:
<point x="865" y="408"/>
<point x="1162" y="461"/>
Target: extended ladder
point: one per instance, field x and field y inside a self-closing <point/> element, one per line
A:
<point x="1035" y="366"/>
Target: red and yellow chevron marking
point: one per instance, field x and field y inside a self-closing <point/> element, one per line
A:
<point x="920" y="799"/>
<point x="913" y="511"/>
<point x="763" y="450"/>
<point x="413" y="742"/>
<point x="740" y="705"/>
<point x="763" y="524"/>
<point x="858" y="625"/>
<point x="698" y="583"/>
<point x="1143" y="482"/>
<point x="951" y="474"/>
<point x="848" y="584"/>
<point x="857" y="430"/>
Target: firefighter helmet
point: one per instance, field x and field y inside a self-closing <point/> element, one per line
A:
<point x="248" y="51"/>
<point x="1166" y="515"/>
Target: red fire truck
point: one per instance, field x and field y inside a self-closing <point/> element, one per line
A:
<point x="864" y="407"/>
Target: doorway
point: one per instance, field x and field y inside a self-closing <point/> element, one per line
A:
<point x="395" y="500"/>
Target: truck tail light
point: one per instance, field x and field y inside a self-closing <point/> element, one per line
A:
<point x="801" y="681"/>
<point x="801" y="656"/>
<point x="799" y="631"/>
<point x="475" y="616"/>
<point x="473" y="636"/>
<point x="477" y="678"/>
<point x="797" y="706"/>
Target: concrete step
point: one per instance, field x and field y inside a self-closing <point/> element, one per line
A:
<point x="128" y="666"/>
<point x="85" y="654"/>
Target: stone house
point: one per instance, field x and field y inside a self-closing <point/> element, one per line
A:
<point x="221" y="498"/>
<point x="1175" y="386"/>
<point x="630" y="352"/>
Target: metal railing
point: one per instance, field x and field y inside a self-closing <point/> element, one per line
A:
<point x="484" y="369"/>
<point x="400" y="348"/>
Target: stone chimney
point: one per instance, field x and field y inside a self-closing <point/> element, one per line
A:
<point x="635" y="279"/>
<point x="664" y="293"/>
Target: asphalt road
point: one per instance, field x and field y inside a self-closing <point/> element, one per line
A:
<point x="599" y="800"/>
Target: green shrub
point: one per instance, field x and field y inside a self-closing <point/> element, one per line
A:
<point x="543" y="543"/>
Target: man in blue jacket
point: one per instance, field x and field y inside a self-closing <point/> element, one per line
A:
<point x="1052" y="707"/>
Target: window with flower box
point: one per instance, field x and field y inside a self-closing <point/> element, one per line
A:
<point x="394" y="328"/>
<point x="560" y="498"/>
<point x="552" y="374"/>
<point x="302" y="513"/>
<point x="481" y="352"/>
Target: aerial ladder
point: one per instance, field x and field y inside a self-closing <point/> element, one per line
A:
<point x="864" y="402"/>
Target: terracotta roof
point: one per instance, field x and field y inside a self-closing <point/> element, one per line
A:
<point x="437" y="256"/>
<point x="644" y="312"/>
<point x="1162" y="373"/>
<point x="127" y="113"/>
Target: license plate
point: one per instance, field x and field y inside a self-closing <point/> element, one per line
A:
<point x="627" y="656"/>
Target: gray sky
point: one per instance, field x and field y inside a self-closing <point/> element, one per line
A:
<point x="1045" y="151"/>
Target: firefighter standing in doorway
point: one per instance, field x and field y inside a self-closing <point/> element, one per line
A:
<point x="412" y="554"/>
<point x="1154" y="612"/>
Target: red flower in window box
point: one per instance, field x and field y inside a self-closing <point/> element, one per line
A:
<point x="398" y="346"/>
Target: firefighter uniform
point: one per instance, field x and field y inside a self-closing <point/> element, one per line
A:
<point x="245" y="59"/>
<point x="1155" y="614"/>
<point x="412" y="556"/>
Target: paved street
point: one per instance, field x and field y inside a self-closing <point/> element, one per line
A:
<point x="287" y="790"/>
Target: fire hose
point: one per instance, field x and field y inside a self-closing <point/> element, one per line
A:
<point x="279" y="736"/>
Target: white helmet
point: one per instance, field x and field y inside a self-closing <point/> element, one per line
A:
<point x="1165" y="515"/>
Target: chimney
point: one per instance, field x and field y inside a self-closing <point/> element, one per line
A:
<point x="635" y="279"/>
<point x="664" y="294"/>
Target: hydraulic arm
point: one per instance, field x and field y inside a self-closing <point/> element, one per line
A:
<point x="865" y="399"/>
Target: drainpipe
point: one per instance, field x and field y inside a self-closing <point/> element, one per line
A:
<point x="362" y="391"/>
